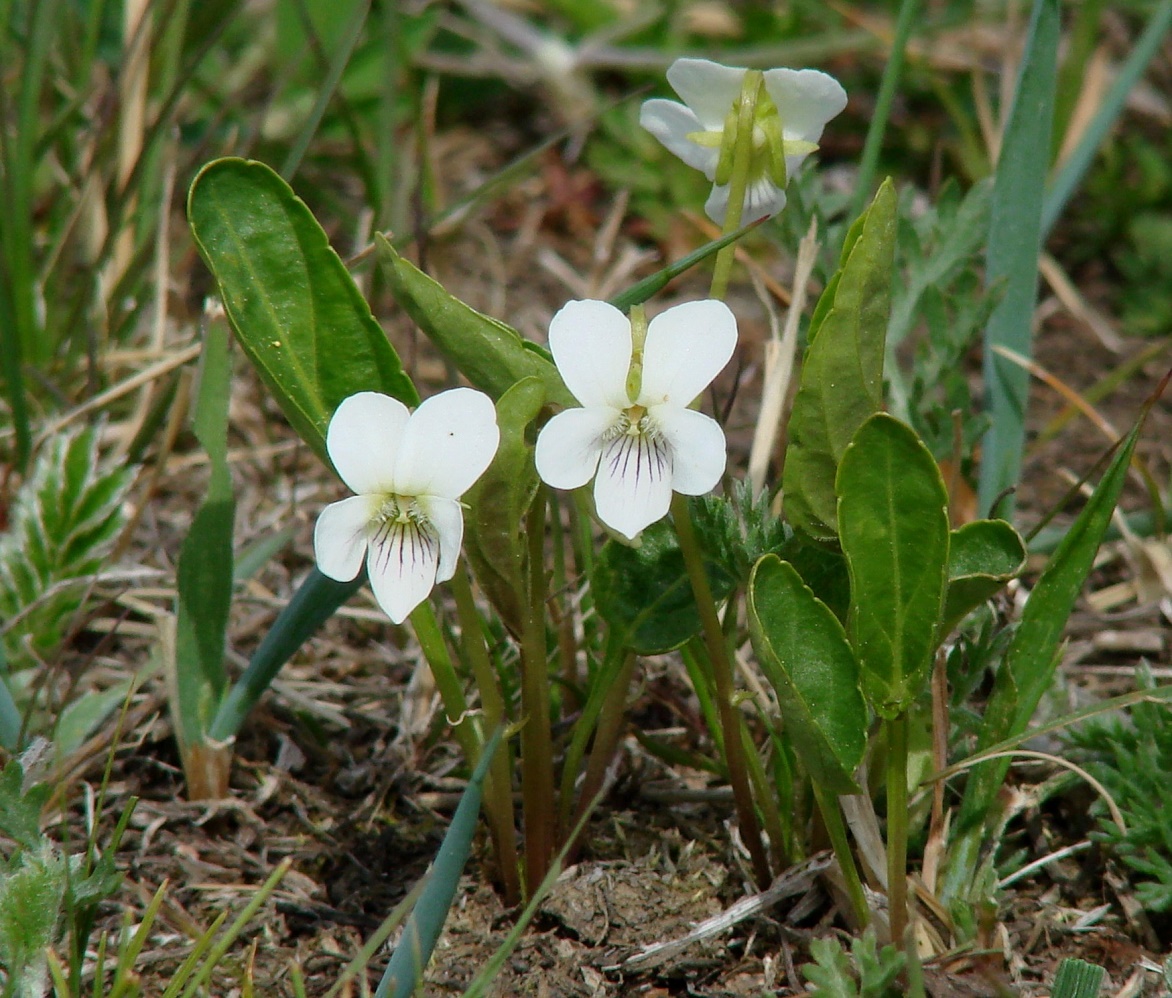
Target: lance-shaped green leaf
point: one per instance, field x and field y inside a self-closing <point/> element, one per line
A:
<point x="204" y="573"/>
<point x="490" y="354"/>
<point x="494" y="542"/>
<point x="295" y="310"/>
<point x="803" y="650"/>
<point x="644" y="593"/>
<point x="982" y="557"/>
<point x="893" y="525"/>
<point x="842" y="373"/>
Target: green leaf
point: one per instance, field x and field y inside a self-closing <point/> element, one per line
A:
<point x="204" y="573"/>
<point x="420" y="934"/>
<point x="1032" y="657"/>
<point x="491" y="355"/>
<point x="893" y="524"/>
<point x="1077" y="979"/>
<point x="20" y="809"/>
<point x="982" y="558"/>
<point x="294" y="308"/>
<point x="1015" y="239"/>
<point x="644" y="593"/>
<point x="803" y="650"/>
<point x="1031" y="660"/>
<point x="842" y="374"/>
<point x="494" y="538"/>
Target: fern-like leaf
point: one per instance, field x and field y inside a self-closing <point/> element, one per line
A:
<point x="64" y="521"/>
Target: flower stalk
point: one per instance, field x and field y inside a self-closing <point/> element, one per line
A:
<point x="897" y="899"/>
<point x="537" y="784"/>
<point x="730" y="719"/>
<point x="498" y="799"/>
<point x="742" y="164"/>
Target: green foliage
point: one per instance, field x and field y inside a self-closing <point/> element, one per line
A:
<point x="32" y="890"/>
<point x="738" y="530"/>
<point x="494" y="535"/>
<point x="1030" y="662"/>
<point x="644" y="594"/>
<point x="869" y="972"/>
<point x="490" y="354"/>
<point x="1077" y="979"/>
<point x="982" y="557"/>
<point x="204" y="574"/>
<point x="803" y="650"/>
<point x="940" y="305"/>
<point x="842" y="374"/>
<point x="1015" y="240"/>
<point x="64" y="521"/>
<point x="893" y="525"/>
<point x="295" y="309"/>
<point x="1132" y="757"/>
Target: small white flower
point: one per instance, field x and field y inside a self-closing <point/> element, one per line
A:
<point x="409" y="470"/>
<point x="788" y="123"/>
<point x="636" y="434"/>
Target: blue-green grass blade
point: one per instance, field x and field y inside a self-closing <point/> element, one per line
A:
<point x="1015" y="236"/>
<point x="422" y="930"/>
<point x="316" y="600"/>
<point x="1072" y="172"/>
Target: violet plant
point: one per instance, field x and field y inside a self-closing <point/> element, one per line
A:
<point x="847" y="598"/>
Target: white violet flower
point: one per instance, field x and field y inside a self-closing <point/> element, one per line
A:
<point x="791" y="111"/>
<point x="409" y="470"/>
<point x="635" y="434"/>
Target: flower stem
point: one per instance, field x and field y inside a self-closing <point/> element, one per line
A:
<point x="730" y="719"/>
<point x="897" y="901"/>
<point x="498" y="799"/>
<point x="451" y="691"/>
<point x="537" y="787"/>
<point x="739" y="180"/>
<point x="836" y="829"/>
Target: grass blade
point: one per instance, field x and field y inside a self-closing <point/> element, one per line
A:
<point x="1015" y="237"/>
<point x="427" y="920"/>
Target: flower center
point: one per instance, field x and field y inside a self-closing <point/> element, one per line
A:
<point x="403" y="532"/>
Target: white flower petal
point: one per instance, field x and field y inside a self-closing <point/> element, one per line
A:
<point x="672" y="123"/>
<point x="402" y="567"/>
<point x="449" y="442"/>
<point x="633" y="487"/>
<point x="447" y="519"/>
<point x="363" y="440"/>
<point x="340" y="536"/>
<point x="806" y="99"/>
<point x="698" y="452"/>
<point x="708" y="88"/>
<point x="591" y="345"/>
<point x="716" y="207"/>
<point x="570" y="444"/>
<point x="687" y="347"/>
<point x="762" y="198"/>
